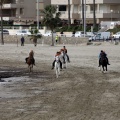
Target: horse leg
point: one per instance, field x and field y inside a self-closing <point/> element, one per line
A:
<point x="103" y="68"/>
<point x="106" y="67"/>
<point x="100" y="68"/>
<point x="59" y="70"/>
<point x="56" y="69"/>
<point x="30" y="68"/>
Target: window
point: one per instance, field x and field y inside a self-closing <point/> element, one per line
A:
<point x="62" y="8"/>
<point x="21" y="11"/>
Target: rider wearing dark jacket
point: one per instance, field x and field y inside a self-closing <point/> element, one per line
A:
<point x="103" y="55"/>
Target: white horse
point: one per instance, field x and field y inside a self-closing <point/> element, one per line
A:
<point x="57" y="66"/>
<point x="65" y="60"/>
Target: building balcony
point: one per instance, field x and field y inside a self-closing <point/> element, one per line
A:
<point x="103" y="1"/>
<point x="64" y="2"/>
<point x="9" y="6"/>
<point x="103" y="14"/>
<point x="64" y="15"/>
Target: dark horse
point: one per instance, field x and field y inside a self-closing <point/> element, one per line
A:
<point x="103" y="63"/>
<point x="30" y="61"/>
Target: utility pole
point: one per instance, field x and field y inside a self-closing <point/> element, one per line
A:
<point x="94" y="16"/>
<point x="69" y="21"/>
<point x="84" y="17"/>
<point x="2" y="40"/>
<point x="82" y="14"/>
<point x="38" y="14"/>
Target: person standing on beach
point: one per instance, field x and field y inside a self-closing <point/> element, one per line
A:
<point x="22" y="41"/>
<point x="56" y="38"/>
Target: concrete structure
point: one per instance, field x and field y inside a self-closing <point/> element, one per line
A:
<point x="42" y="4"/>
<point x="21" y="11"/>
<point x="62" y="6"/>
<point x="106" y="10"/>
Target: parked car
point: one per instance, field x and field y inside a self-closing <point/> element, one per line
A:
<point x="29" y="33"/>
<point x="6" y="32"/>
<point x="117" y="35"/>
<point x="79" y="34"/>
<point x="100" y="36"/>
<point x="48" y="33"/>
<point x="25" y="32"/>
<point x="22" y="32"/>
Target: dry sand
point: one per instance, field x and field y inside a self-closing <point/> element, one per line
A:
<point x="81" y="92"/>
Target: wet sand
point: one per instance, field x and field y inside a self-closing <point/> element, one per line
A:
<point x="81" y="92"/>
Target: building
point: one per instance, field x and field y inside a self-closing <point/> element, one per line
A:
<point x="62" y="6"/>
<point x="20" y="11"/>
<point x="40" y="4"/>
<point x="105" y="10"/>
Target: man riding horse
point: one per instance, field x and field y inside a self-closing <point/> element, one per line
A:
<point x="53" y="64"/>
<point x="64" y="50"/>
<point x="103" y="55"/>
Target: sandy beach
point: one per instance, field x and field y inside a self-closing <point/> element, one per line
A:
<point x="81" y="92"/>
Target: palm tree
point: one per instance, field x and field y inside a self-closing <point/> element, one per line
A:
<point x="51" y="18"/>
<point x="69" y="21"/>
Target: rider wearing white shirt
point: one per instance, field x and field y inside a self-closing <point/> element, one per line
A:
<point x="57" y="57"/>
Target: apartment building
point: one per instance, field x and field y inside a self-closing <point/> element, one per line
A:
<point x="40" y="4"/>
<point x="23" y="12"/>
<point x="62" y="6"/>
<point x="106" y="10"/>
<point x="20" y="11"/>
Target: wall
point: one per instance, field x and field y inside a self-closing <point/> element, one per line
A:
<point x="45" y="40"/>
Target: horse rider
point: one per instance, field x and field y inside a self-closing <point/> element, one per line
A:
<point x="57" y="55"/>
<point x="65" y="52"/>
<point x="103" y="55"/>
<point x="31" y="55"/>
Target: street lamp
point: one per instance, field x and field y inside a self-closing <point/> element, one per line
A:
<point x="111" y="14"/>
<point x="38" y="14"/>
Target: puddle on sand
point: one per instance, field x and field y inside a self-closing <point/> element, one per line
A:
<point x="8" y="92"/>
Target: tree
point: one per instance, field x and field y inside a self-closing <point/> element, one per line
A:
<point x="51" y="18"/>
<point x="35" y="35"/>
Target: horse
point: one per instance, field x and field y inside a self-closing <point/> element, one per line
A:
<point x="57" y="66"/>
<point x="103" y="63"/>
<point x="64" y="60"/>
<point x="30" y="62"/>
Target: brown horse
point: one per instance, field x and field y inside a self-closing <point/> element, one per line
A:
<point x="30" y="61"/>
